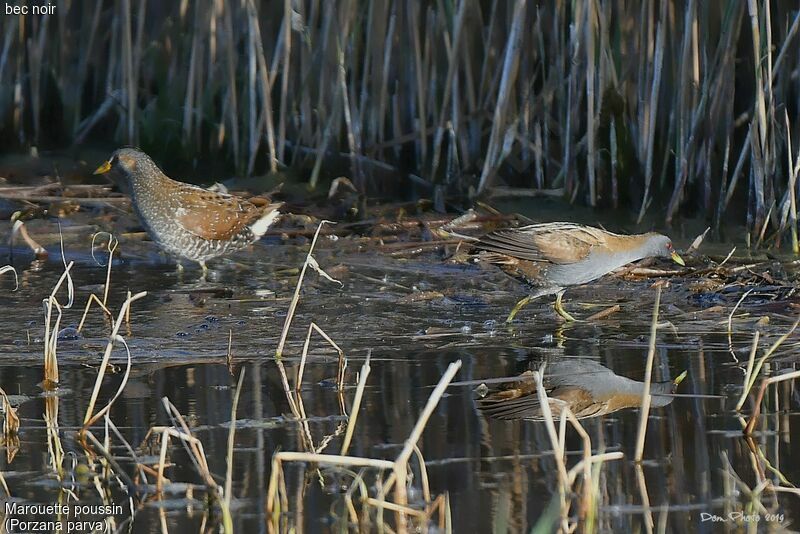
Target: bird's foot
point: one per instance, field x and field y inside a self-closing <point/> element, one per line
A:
<point x="559" y="308"/>
<point x="521" y="304"/>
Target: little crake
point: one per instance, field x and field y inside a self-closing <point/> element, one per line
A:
<point x="553" y="256"/>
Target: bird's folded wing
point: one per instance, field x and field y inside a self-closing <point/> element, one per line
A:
<point x="536" y="245"/>
<point x="214" y="216"/>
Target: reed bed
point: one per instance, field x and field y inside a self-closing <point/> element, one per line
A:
<point x="663" y="108"/>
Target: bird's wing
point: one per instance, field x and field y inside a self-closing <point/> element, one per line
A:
<point x="561" y="243"/>
<point x="515" y="400"/>
<point x="214" y="216"/>
<point x="579" y="400"/>
<point x="510" y="408"/>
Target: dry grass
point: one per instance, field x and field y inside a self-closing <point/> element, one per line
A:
<point x="397" y="481"/>
<point x="685" y="105"/>
<point x="589" y="496"/>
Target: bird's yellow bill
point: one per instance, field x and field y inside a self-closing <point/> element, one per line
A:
<point x="679" y="378"/>
<point x="104" y="168"/>
<point x="677" y="259"/>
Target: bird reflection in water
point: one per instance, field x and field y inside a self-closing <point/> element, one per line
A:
<point x="588" y="388"/>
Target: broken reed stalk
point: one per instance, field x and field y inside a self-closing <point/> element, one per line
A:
<point x="90" y="416"/>
<point x="112" y="245"/>
<point x="133" y="456"/>
<point x="753" y="371"/>
<point x="733" y="311"/>
<point x="198" y="456"/>
<point x="276" y="504"/>
<point x="313" y="328"/>
<point x="751" y="360"/>
<point x="400" y="468"/>
<point x="351" y="423"/>
<point x="757" y="409"/>
<point x="231" y="436"/>
<point x="296" y="296"/>
<point x="51" y="376"/>
<point x="273" y="492"/>
<point x="103" y="451"/>
<point x="644" y="412"/>
<point x="107" y="408"/>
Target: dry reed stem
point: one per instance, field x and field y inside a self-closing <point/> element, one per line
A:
<point x="313" y="328"/>
<point x="400" y="509"/>
<point x="111" y="246"/>
<point x="229" y="354"/>
<point x="644" y="412"/>
<point x="198" y="456"/>
<point x="586" y="484"/>
<point x="296" y="296"/>
<point x="107" y="408"/>
<point x="400" y="466"/>
<point x="641" y="482"/>
<point x="134" y="457"/>
<point x="94" y="298"/>
<point x="103" y="450"/>
<point x="510" y="65"/>
<point x="89" y="417"/>
<point x="351" y="423"/>
<point x="753" y="371"/>
<point x="51" y="376"/>
<point x="557" y="443"/>
<point x="751" y="360"/>
<point x="231" y="436"/>
<point x="733" y="311"/>
<point x="791" y="188"/>
<point x="55" y="449"/>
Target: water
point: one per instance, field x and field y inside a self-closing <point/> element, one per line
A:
<point x="414" y="315"/>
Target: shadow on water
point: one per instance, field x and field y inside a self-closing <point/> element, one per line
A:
<point x="415" y="316"/>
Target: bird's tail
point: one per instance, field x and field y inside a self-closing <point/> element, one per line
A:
<point x="268" y="217"/>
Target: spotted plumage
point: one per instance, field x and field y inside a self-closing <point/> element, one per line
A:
<point x="185" y="220"/>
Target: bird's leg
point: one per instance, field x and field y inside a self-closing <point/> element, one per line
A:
<point x="179" y="267"/>
<point x="521" y="304"/>
<point x="205" y="269"/>
<point x="560" y="309"/>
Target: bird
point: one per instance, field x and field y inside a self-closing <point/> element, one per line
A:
<point x="550" y="257"/>
<point x="587" y="387"/>
<point x="185" y="220"/>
